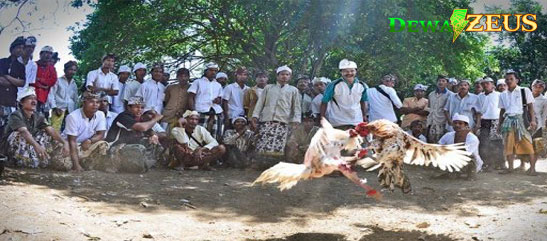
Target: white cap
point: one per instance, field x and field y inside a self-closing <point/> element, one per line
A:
<point x="321" y="79"/>
<point x="138" y="66"/>
<point x="453" y="81"/>
<point x="211" y="65"/>
<point x="47" y="48"/>
<point x="346" y="64"/>
<point x="221" y="75"/>
<point x="458" y="117"/>
<point x="26" y="92"/>
<point x="190" y="113"/>
<point x="538" y="81"/>
<point x="466" y="81"/>
<point x="124" y="68"/>
<point x="420" y="87"/>
<point x="239" y="118"/>
<point x="500" y="82"/>
<point x="487" y="79"/>
<point x="479" y="80"/>
<point x="283" y="68"/>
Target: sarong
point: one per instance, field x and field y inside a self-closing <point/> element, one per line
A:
<point x="517" y="139"/>
<point x="272" y="138"/>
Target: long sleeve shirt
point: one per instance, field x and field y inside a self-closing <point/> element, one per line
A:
<point x="46" y="76"/>
<point x="278" y="103"/>
<point x="63" y="95"/>
<point x="200" y="134"/>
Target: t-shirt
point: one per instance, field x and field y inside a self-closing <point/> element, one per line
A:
<point x="14" y="68"/>
<point x="17" y="119"/>
<point x="83" y="128"/>
<point x="119" y="134"/>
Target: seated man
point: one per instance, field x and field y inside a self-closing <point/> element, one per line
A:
<point x="104" y="106"/>
<point x="239" y="143"/>
<point x="417" y="130"/>
<point x="85" y="128"/>
<point x="132" y="150"/>
<point x="462" y="134"/>
<point x="28" y="138"/>
<point x="194" y="145"/>
<point x="300" y="139"/>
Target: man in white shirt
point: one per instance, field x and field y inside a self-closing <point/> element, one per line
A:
<point x="501" y="86"/>
<point x="205" y="97"/>
<point x="153" y="91"/>
<point x="104" y="106"/>
<point x="31" y="68"/>
<point x="117" y="101"/>
<point x="222" y="79"/>
<point x="319" y="84"/>
<point x="491" y="141"/>
<point x="63" y="96"/>
<point x="102" y="79"/>
<point x="233" y="97"/>
<point x="133" y="86"/>
<point x="517" y="139"/>
<point x="85" y="130"/>
<point x="463" y="103"/>
<point x="383" y="100"/>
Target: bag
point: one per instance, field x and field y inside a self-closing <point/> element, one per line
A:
<point x="526" y="114"/>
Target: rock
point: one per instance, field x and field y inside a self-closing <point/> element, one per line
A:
<point x="472" y="224"/>
<point x="543" y="211"/>
<point x="423" y="225"/>
<point x="144" y="204"/>
<point x="147" y="235"/>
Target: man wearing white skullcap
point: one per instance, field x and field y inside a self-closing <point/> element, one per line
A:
<point x="346" y="98"/>
<point x="118" y="105"/>
<point x="222" y="79"/>
<point x="501" y="86"/>
<point x="462" y="134"/>
<point x="414" y="107"/>
<point x="132" y="86"/>
<point x="319" y="84"/>
<point x="277" y="108"/>
<point x="491" y="141"/>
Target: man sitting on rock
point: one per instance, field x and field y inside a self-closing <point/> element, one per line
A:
<point x="239" y="143"/>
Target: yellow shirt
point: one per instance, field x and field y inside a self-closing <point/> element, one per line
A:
<point x="413" y="102"/>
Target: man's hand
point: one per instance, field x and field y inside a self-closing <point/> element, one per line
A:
<point x="217" y="101"/>
<point x="66" y="149"/>
<point x="365" y="118"/>
<point x="41" y="152"/>
<point x="86" y="144"/>
<point x="154" y="139"/>
<point x="198" y="154"/>
<point x="533" y="125"/>
<point x="254" y="124"/>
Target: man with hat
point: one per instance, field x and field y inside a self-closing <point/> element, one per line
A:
<point x="477" y="86"/>
<point x="414" y="107"/>
<point x="251" y="96"/>
<point x="501" y="86"/>
<point x="104" y="106"/>
<point x="464" y="103"/>
<point x="194" y="145"/>
<point x="153" y="91"/>
<point x="205" y="97"/>
<point x="133" y="86"/>
<point x="222" y="79"/>
<point x="436" y="120"/>
<point x="118" y="105"/>
<point x="319" y="85"/>
<point x="233" y="96"/>
<point x="453" y="85"/>
<point x="239" y="143"/>
<point x="85" y="129"/>
<point x="462" y="134"/>
<point x="131" y="151"/>
<point x="300" y="139"/>
<point x="303" y="86"/>
<point x="346" y="98"/>
<point x="12" y="76"/>
<point x="46" y="77"/>
<point x="491" y="141"/>
<point x="26" y="59"/>
<point x="63" y="96"/>
<point x="383" y="100"/>
<point x="28" y="139"/>
<point x="102" y="79"/>
<point x="277" y="108"/>
<point x="176" y="98"/>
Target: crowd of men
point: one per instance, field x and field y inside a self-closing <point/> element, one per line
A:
<point x="125" y="122"/>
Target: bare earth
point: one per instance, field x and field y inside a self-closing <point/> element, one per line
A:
<point x="219" y="205"/>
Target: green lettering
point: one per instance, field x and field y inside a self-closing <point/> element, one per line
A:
<point x="429" y="26"/>
<point x="392" y="24"/>
<point x="413" y="26"/>
<point x="446" y="27"/>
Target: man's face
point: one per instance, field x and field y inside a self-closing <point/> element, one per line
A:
<point x="70" y="72"/>
<point x="192" y="121"/>
<point x="501" y="87"/>
<point x="242" y="77"/>
<point x="419" y="93"/>
<point x="463" y="88"/>
<point x="211" y="73"/>
<point x="91" y="105"/>
<point x="136" y="110"/>
<point x="45" y="55"/>
<point x="488" y="86"/>
<point x="460" y="126"/>
<point x="28" y="50"/>
<point x="283" y="77"/>
<point x="320" y="87"/>
<point x="417" y="129"/>
<point x="29" y="103"/>
<point x="308" y="122"/>
<point x="123" y="76"/>
<point x="103" y="105"/>
<point x="303" y="85"/>
<point x="140" y="73"/>
<point x="538" y="89"/>
<point x="109" y="63"/>
<point x="183" y="78"/>
<point x="348" y="74"/>
<point x="261" y="81"/>
<point x="442" y="83"/>
<point x="478" y="88"/>
<point x="17" y="51"/>
<point x="157" y="74"/>
<point x="239" y="124"/>
<point x="389" y="83"/>
<point x="511" y="81"/>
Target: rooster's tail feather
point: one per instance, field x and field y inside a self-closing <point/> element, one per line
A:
<point x="286" y="174"/>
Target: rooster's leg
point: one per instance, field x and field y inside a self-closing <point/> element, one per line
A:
<point x="352" y="175"/>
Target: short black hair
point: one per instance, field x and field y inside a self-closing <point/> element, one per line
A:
<point x="109" y="56"/>
<point x="442" y="76"/>
<point x="69" y="64"/>
<point x="183" y="71"/>
<point x="416" y="122"/>
<point x="512" y="73"/>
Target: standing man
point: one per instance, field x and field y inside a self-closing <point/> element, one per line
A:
<point x="26" y="59"/>
<point x="251" y="96"/>
<point x="46" y="77"/>
<point x="303" y="86"/>
<point x="477" y="88"/>
<point x="463" y="103"/>
<point x="490" y="140"/>
<point x="436" y="120"/>
<point x="346" y="98"/>
<point x="319" y="84"/>
<point x="222" y="79"/>
<point x="63" y="97"/>
<point x="205" y="97"/>
<point x="517" y="139"/>
<point x="12" y="76"/>
<point x="414" y="107"/>
<point x="176" y="98"/>
<point x="233" y="97"/>
<point x="133" y="86"/>
<point x="153" y="91"/>
<point x="103" y="79"/>
<point x="278" y="106"/>
<point x="383" y="100"/>
<point x="117" y="101"/>
<point x="501" y="86"/>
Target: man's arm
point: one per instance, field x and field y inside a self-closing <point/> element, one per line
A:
<point x="147" y="125"/>
<point x="99" y="136"/>
<point x="73" y="145"/>
<point x="191" y="101"/>
<point x="323" y="110"/>
<point x="533" y="123"/>
<point x="8" y="80"/>
<point x="364" y="109"/>
<point x="502" y="118"/>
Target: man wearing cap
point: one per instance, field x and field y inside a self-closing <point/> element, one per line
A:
<point x="153" y="91"/>
<point x="303" y="86"/>
<point x="29" y="141"/>
<point x="239" y="143"/>
<point x="46" y="77"/>
<point x="436" y="120"/>
<point x="464" y="103"/>
<point x="133" y="86"/>
<point x="501" y="86"/>
<point x="104" y="106"/>
<point x="131" y="150"/>
<point x="319" y="85"/>
<point x="414" y="107"/>
<point x="102" y="79"/>
<point x="516" y="135"/>
<point x="300" y="139"/>
<point x="491" y="141"/>
<point x="277" y="107"/>
<point x="63" y="96"/>
<point x="85" y="129"/>
<point x="205" y="97"/>
<point x="26" y="59"/>
<point x="477" y="86"/>
<point x="118" y="105"/>
<point x="346" y="98"/>
<point x="194" y="145"/>
<point x="462" y="134"/>
<point x="222" y="79"/>
<point x="251" y="96"/>
<point x="176" y="98"/>
<point x="12" y="76"/>
<point x="383" y="100"/>
<point x="233" y="96"/>
<point x="453" y="85"/>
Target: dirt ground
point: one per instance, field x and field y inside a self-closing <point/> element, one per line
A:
<point x="220" y="205"/>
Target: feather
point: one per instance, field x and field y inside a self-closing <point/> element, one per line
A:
<point x="286" y="174"/>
